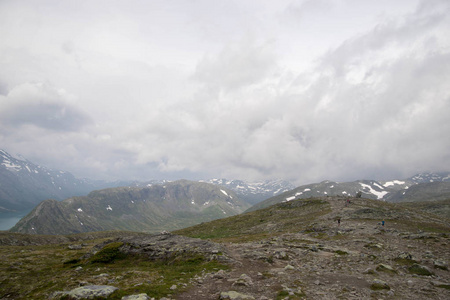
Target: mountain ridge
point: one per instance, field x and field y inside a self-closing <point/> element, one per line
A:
<point x="150" y="209"/>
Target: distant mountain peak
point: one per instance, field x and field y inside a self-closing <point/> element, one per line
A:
<point x="256" y="191"/>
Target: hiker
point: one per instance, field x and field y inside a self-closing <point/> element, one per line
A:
<point x="339" y="221"/>
<point x="348" y="202"/>
<point x="382" y="223"/>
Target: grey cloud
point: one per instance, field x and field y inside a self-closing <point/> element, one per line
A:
<point x="237" y="65"/>
<point x="419" y="27"/>
<point x="3" y="88"/>
<point x="374" y="106"/>
<point x="43" y="106"/>
<point x="391" y="117"/>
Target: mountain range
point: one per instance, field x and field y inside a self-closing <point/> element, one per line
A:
<point x="421" y="187"/>
<point x="162" y="205"/>
<point x="24" y="184"/>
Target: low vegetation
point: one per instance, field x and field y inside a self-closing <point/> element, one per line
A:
<point x="37" y="271"/>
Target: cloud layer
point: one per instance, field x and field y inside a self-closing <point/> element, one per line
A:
<point x="196" y="90"/>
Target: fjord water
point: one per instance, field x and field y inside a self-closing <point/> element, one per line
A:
<point x="8" y="220"/>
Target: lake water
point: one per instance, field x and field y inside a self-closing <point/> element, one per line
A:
<point x="7" y="221"/>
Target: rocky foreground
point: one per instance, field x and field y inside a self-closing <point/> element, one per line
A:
<point x="356" y="258"/>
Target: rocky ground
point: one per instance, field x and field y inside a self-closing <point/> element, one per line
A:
<point x="356" y="260"/>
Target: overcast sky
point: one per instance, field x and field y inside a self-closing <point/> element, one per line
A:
<point x="288" y="89"/>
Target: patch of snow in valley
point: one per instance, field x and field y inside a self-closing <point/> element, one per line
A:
<point x="193" y="201"/>
<point x="80" y="210"/>
<point x="109" y="207"/>
<point x="290" y="198"/>
<point x="225" y="193"/>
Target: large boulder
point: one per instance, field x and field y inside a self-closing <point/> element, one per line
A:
<point x="90" y="292"/>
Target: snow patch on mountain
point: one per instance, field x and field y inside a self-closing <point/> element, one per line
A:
<point x="379" y="194"/>
<point x="290" y="198"/>
<point x="393" y="182"/>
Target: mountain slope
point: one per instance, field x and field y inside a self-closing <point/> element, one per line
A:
<point x="154" y="208"/>
<point x="315" y="215"/>
<point x="422" y="192"/>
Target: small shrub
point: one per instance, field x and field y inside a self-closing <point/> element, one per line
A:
<point x="72" y="261"/>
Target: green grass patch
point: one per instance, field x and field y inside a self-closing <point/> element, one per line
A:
<point x="282" y="295"/>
